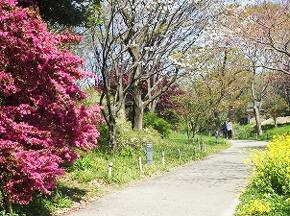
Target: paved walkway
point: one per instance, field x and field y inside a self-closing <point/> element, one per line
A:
<point x="203" y="188"/>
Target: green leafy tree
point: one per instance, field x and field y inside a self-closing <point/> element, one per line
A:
<point x="64" y="12"/>
<point x="275" y="106"/>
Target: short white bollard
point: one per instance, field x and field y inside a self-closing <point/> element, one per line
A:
<point x="194" y="150"/>
<point x="140" y="163"/>
<point x="110" y="169"/>
<point x="163" y="160"/>
<point x="216" y="136"/>
<point x="203" y="146"/>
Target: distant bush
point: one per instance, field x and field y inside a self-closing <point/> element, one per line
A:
<point x="159" y="124"/>
<point x="243" y="131"/>
<point x="132" y="139"/>
<point x="248" y="132"/>
<point x="173" y="118"/>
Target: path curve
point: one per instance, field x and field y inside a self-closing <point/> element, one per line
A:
<point x="203" y="188"/>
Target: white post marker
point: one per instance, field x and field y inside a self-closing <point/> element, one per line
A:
<point x="216" y="136"/>
<point x="163" y="158"/>
<point x="203" y="146"/>
<point x="140" y="163"/>
<point x="149" y="152"/>
<point x="110" y="169"/>
<point x="194" y="150"/>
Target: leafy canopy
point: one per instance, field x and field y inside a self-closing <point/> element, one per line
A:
<point x="64" y="12"/>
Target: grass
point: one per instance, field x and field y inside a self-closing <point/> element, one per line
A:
<point x="88" y="177"/>
<point x="253" y="202"/>
<point x="248" y="132"/>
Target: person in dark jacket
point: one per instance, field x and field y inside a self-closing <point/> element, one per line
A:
<point x="225" y="129"/>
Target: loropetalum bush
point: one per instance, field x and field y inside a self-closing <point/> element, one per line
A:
<point x="41" y="124"/>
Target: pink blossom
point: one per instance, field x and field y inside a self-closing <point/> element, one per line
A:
<point x="41" y="124"/>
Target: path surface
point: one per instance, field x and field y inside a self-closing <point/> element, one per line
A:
<point x="203" y="188"/>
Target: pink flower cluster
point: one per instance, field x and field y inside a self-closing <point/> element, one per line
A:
<point x="41" y="124"/>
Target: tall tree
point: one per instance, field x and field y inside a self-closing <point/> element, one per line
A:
<point x="259" y="35"/>
<point x="139" y="40"/>
<point x="158" y="32"/>
<point x="222" y="72"/>
<point x="41" y="124"/>
<point x="215" y="91"/>
<point x="195" y="106"/>
<point x="113" y="64"/>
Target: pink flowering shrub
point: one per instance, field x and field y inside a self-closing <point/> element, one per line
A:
<point x="41" y="125"/>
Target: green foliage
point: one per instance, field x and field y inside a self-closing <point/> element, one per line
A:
<point x="42" y="204"/>
<point x="244" y="132"/>
<point x="162" y="127"/>
<point x="269" y="190"/>
<point x="275" y="106"/>
<point x="159" y="124"/>
<point x="93" y="97"/>
<point x="3" y="213"/>
<point x="248" y="132"/>
<point x="172" y="118"/>
<point x="66" y="12"/>
<point x="103" y="140"/>
<point x="271" y="131"/>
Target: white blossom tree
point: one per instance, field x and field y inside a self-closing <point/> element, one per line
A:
<point x="139" y="40"/>
<point x="160" y="31"/>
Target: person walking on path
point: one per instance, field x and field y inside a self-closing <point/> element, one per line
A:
<point x="207" y="187"/>
<point x="230" y="130"/>
<point x="225" y="129"/>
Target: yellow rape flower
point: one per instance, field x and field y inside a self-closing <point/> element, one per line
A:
<point x="247" y="161"/>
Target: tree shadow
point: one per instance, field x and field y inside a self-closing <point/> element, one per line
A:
<point x="42" y="204"/>
<point x="75" y="194"/>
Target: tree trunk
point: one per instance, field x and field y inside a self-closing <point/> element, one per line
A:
<point x="110" y="118"/>
<point x="275" y="122"/>
<point x="153" y="105"/>
<point x="8" y="204"/>
<point x="113" y="134"/>
<point x="257" y="118"/>
<point x="217" y="121"/>
<point x="138" y="117"/>
<point x="138" y="110"/>
<point x="188" y="131"/>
